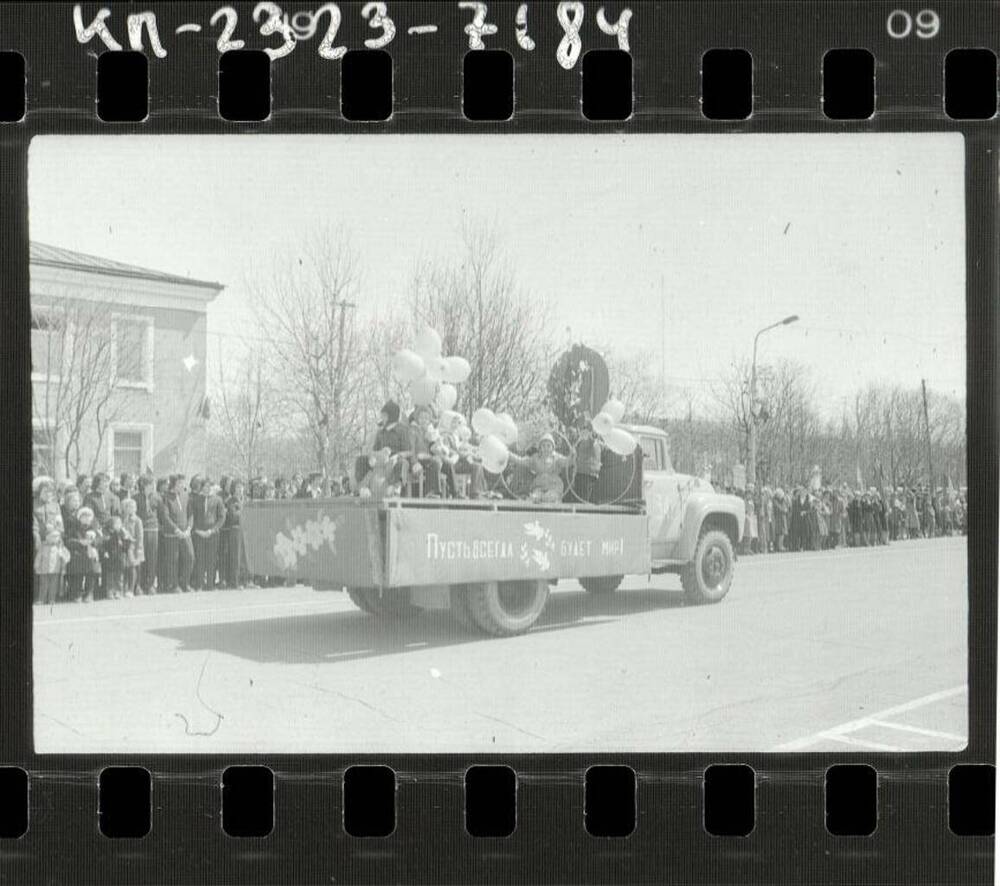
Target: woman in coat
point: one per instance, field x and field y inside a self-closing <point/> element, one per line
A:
<point x="780" y="510"/>
<point x="47" y="530"/>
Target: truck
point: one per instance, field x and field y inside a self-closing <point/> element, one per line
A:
<point x="491" y="562"/>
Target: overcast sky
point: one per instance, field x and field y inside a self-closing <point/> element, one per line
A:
<point x="861" y="235"/>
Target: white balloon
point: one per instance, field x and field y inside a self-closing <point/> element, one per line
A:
<point x="615" y="409"/>
<point x="620" y="441"/>
<point x="436" y="367"/>
<point x="447" y="397"/>
<point x="457" y="370"/>
<point x="483" y="421"/>
<point x="428" y="343"/>
<point x="422" y="391"/>
<point x="494" y="454"/>
<point x="407" y="366"/>
<point x="506" y="428"/>
<point x="602" y="423"/>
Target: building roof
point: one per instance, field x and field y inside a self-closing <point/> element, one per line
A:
<point x="56" y="256"/>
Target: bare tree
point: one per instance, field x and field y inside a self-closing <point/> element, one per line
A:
<point x="307" y="306"/>
<point x="78" y="361"/>
<point x="482" y="315"/>
<point x="247" y="406"/>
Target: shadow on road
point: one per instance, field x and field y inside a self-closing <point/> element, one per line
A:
<point x="349" y="636"/>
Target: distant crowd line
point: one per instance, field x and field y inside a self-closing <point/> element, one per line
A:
<point x="812" y="519"/>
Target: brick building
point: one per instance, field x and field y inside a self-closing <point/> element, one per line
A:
<point x="118" y="365"/>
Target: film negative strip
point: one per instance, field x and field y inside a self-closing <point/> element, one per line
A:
<point x="476" y="442"/>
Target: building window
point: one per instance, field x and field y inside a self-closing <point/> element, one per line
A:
<point x="133" y="351"/>
<point x="46" y="344"/>
<point x="128" y="449"/>
<point x="43" y="452"/>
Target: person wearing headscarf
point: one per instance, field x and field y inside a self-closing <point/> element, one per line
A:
<point x="47" y="531"/>
<point x="546" y="467"/>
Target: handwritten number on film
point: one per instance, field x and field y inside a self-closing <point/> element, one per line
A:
<point x="303" y="25"/>
<point x="900" y="24"/>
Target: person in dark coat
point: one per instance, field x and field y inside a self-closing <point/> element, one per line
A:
<point x="208" y="515"/>
<point x="780" y="508"/>
<point x="178" y="552"/>
<point x="105" y="505"/>
<point x="231" y="540"/>
<point x="147" y="506"/>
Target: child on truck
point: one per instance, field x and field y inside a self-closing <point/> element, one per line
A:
<point x="588" y="462"/>
<point x="546" y="467"/>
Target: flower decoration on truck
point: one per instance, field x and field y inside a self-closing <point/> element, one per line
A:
<point x="536" y="551"/>
<point x="311" y="535"/>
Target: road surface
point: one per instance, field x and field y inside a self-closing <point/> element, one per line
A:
<point x="859" y="649"/>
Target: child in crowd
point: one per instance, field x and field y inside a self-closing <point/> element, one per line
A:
<point x="136" y="552"/>
<point x="117" y="545"/>
<point x="84" y="568"/>
<point x="47" y="529"/>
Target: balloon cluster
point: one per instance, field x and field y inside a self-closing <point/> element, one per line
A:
<point x="430" y="377"/>
<point x="496" y="433"/>
<point x="605" y="425"/>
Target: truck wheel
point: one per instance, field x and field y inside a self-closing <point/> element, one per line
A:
<point x="393" y="604"/>
<point x="506" y="608"/>
<point x="460" y="607"/>
<point x="601" y="584"/>
<point x="706" y="579"/>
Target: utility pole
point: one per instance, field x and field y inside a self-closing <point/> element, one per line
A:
<point x="927" y="428"/>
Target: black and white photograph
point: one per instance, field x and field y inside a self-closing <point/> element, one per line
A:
<point x="522" y="443"/>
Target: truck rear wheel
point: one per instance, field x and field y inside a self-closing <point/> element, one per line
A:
<point x="601" y="584"/>
<point x="507" y="608"/>
<point x="707" y="578"/>
<point x="389" y="604"/>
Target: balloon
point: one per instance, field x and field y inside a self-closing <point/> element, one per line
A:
<point x="506" y="429"/>
<point x="483" y="421"/>
<point x="457" y="370"/>
<point x="407" y="366"/>
<point x="436" y="367"/>
<point x="422" y="391"/>
<point x="620" y="441"/>
<point x="494" y="454"/>
<point x="603" y="423"/>
<point x="615" y="409"/>
<point x="447" y="397"/>
<point x="428" y="343"/>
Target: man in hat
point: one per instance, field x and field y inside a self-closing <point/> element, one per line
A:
<point x="391" y="435"/>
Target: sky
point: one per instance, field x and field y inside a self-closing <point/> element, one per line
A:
<point x="674" y="245"/>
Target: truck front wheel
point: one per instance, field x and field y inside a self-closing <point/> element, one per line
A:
<point x="706" y="579"/>
<point x="506" y="608"/>
<point x="388" y="604"/>
<point x="601" y="584"/>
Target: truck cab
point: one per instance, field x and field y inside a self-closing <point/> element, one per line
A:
<point x="680" y="506"/>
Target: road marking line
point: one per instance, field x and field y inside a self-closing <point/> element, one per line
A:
<point x="858" y="742"/>
<point x="853" y="725"/>
<point x="919" y="730"/>
<point x="193" y="611"/>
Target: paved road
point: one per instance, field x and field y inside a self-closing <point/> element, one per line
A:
<point x="841" y="650"/>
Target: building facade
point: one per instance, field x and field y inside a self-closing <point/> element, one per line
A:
<point x="117" y="366"/>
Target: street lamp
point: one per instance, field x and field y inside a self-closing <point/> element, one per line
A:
<point x="752" y="472"/>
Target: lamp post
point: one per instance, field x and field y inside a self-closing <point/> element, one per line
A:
<point x="752" y="472"/>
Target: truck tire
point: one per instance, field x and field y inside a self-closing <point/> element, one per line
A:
<point x="394" y="604"/>
<point x="706" y="579"/>
<point x="507" y="608"/>
<point x="601" y="584"/>
<point x="460" y="607"/>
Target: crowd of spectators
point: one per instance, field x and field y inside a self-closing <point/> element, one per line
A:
<point x="814" y="519"/>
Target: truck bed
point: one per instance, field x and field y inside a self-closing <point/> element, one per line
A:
<point x="411" y="542"/>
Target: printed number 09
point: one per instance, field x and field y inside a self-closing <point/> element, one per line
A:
<point x="900" y="24"/>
